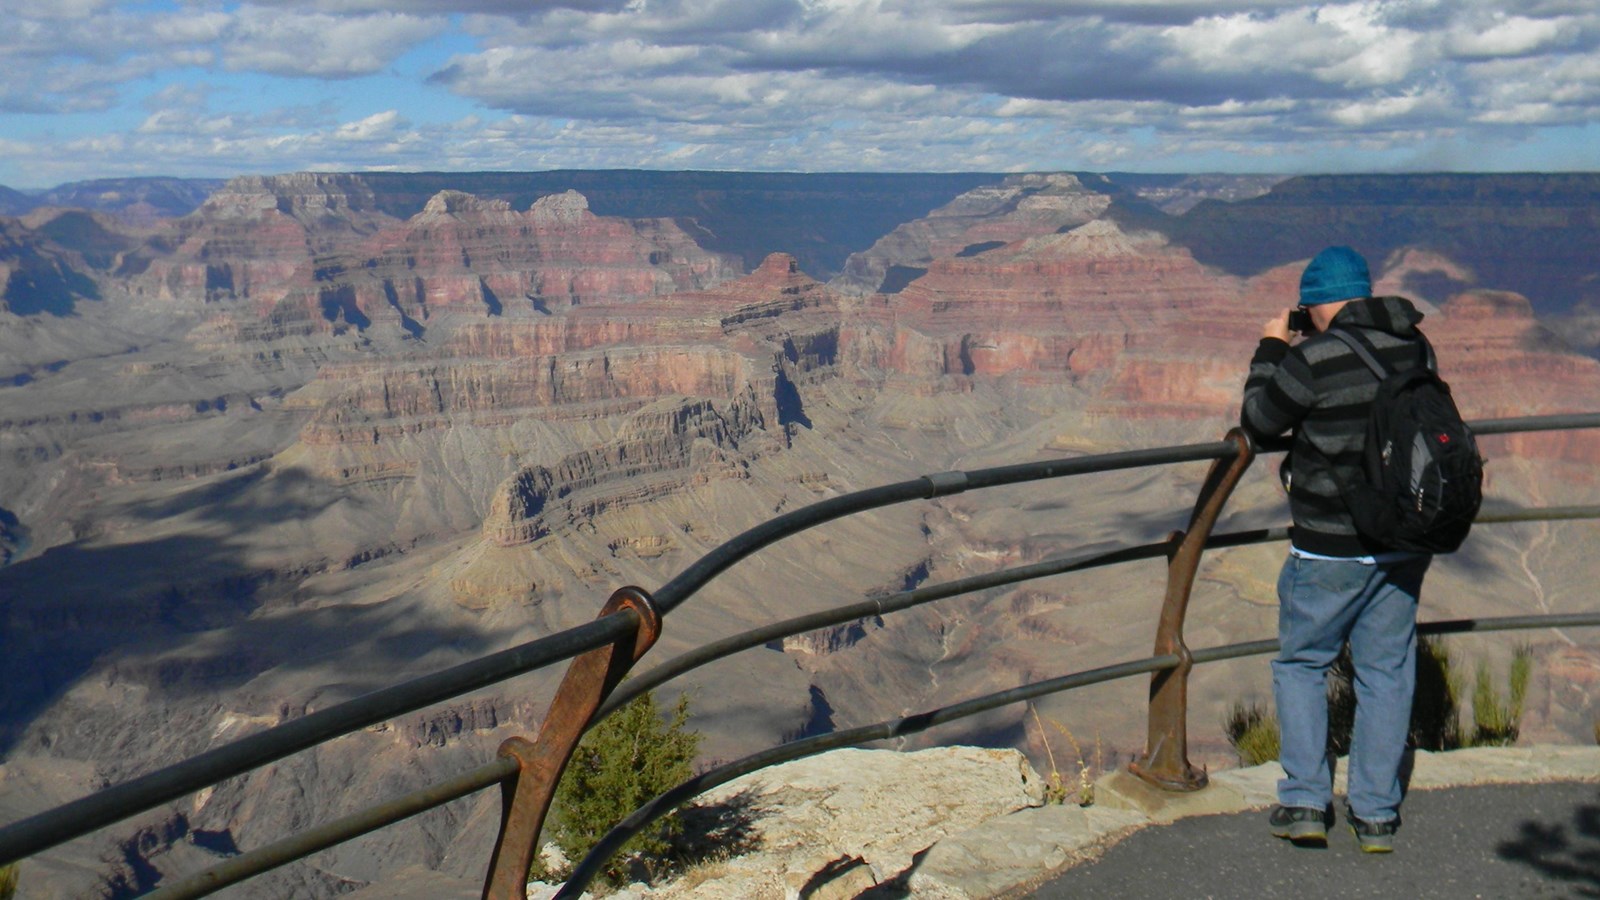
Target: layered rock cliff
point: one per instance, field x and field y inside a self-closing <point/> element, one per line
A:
<point x="978" y="220"/>
<point x="304" y="443"/>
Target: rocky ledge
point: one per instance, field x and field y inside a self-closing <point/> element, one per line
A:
<point x="954" y="823"/>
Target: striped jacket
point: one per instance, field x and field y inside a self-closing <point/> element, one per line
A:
<point x="1323" y="392"/>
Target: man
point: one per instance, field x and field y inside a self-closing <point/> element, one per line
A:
<point x="1337" y="586"/>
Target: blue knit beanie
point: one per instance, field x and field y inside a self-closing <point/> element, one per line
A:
<point x="1337" y="273"/>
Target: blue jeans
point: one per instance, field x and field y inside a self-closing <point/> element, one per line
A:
<point x="1322" y="604"/>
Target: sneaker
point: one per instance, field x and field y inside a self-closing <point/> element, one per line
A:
<point x="1300" y="825"/>
<point x="1374" y="837"/>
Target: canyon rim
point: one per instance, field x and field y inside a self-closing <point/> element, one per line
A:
<point x="322" y="432"/>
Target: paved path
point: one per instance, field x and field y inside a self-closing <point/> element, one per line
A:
<point x="1490" y="841"/>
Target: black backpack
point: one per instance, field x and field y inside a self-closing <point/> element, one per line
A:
<point x="1424" y="477"/>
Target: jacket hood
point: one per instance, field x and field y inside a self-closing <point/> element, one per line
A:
<point x="1395" y="315"/>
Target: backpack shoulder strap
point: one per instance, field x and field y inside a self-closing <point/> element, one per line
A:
<point x="1363" y="350"/>
<point x="1428" y="359"/>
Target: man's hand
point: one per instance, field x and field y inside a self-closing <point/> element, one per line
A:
<point x="1277" y="327"/>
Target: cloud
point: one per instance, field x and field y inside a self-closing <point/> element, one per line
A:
<point x="1507" y="37"/>
<point x="443" y="7"/>
<point x="386" y="125"/>
<point x="1343" y="65"/>
<point x="1341" y="45"/>
<point x="795" y="84"/>
<point x="322" y="45"/>
<point x="50" y="62"/>
<point x="1135" y="12"/>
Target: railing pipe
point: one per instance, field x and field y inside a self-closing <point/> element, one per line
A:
<point x="1537" y="514"/>
<point x="86" y="814"/>
<point x="755" y="637"/>
<point x="1513" y="425"/>
<point x="1510" y="623"/>
<point x="720" y="649"/>
<point x="1516" y="425"/>
<point x="278" y="853"/>
<point x="941" y="484"/>
<point x="1440" y="626"/>
<point x="669" y="800"/>
<point x="266" y="858"/>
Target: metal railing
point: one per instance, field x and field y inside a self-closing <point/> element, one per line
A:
<point x="592" y="863"/>
<point x="603" y="651"/>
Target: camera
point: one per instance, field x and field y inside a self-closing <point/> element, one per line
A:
<point x="1300" y="321"/>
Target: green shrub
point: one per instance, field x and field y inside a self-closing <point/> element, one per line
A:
<point x="630" y="757"/>
<point x="1435" y="707"/>
<point x="8" y="882"/>
<point x="1497" y="721"/>
<point x="1435" y="702"/>
<point x="1253" y="732"/>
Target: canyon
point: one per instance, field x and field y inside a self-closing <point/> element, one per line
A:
<point x="305" y="436"/>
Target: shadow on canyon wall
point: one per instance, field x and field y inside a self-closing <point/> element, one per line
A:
<point x="1530" y="233"/>
<point x="44" y="287"/>
<point x="195" y="611"/>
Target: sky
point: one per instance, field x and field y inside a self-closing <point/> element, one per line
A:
<point x="96" y="89"/>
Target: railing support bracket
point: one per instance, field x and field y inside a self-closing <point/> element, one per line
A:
<point x="1166" y="760"/>
<point x="526" y="797"/>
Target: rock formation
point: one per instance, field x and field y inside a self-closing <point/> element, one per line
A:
<point x="304" y="443"/>
<point x="982" y="219"/>
<point x="844" y="823"/>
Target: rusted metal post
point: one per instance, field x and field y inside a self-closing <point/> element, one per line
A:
<point x="1166" y="760"/>
<point x="526" y="797"/>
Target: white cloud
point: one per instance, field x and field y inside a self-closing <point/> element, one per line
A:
<point x="441" y="7"/>
<point x="1537" y="90"/>
<point x="1229" y="109"/>
<point x="1521" y="114"/>
<point x="1381" y="56"/>
<point x="1346" y="45"/>
<point x="1509" y="36"/>
<point x="633" y="55"/>
<point x="198" y="28"/>
<point x="925" y="84"/>
<point x="321" y="45"/>
<point x="177" y="122"/>
<point x="1365" y="113"/>
<point x="1244" y="42"/>
<point x="63" y="10"/>
<point x="385" y="125"/>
